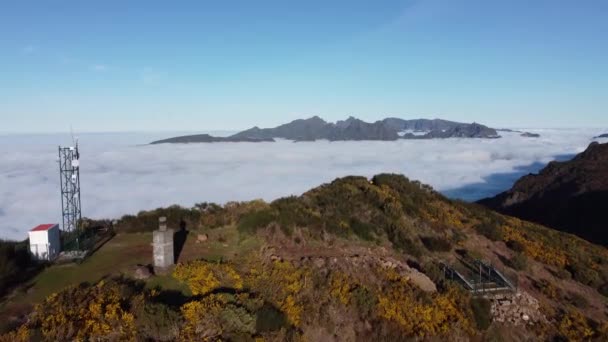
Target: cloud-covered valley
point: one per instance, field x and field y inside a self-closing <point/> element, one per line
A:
<point x="120" y="174"/>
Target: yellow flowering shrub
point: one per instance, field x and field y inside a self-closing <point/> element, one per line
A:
<point x="86" y="313"/>
<point x="201" y="318"/>
<point x="22" y="334"/>
<point x="203" y="277"/>
<point x="534" y="248"/>
<point x="439" y="211"/>
<point x="341" y="288"/>
<point x="574" y="326"/>
<point x="402" y="303"/>
<point x="219" y="316"/>
<point x="282" y="284"/>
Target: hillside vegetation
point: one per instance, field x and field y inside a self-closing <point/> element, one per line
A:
<point x="571" y="196"/>
<point x="353" y="260"/>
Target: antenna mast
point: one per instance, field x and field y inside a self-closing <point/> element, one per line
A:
<point x="69" y="175"/>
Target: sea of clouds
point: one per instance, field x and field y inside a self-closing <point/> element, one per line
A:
<point x="121" y="174"/>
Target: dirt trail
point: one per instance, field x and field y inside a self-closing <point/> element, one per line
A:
<point x="354" y="257"/>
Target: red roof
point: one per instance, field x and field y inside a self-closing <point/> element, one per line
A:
<point x="43" y="227"/>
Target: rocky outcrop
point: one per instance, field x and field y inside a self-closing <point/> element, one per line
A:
<point x="202" y="238"/>
<point x="516" y="309"/>
<point x="142" y="272"/>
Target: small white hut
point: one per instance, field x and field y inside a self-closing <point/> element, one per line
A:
<point x="45" y="242"/>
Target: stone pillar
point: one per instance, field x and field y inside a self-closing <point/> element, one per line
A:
<point x="162" y="244"/>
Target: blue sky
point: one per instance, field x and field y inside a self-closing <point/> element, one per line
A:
<point x="212" y="65"/>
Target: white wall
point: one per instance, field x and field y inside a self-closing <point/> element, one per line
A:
<point x="45" y="244"/>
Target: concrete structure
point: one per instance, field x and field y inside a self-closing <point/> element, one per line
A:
<point x="162" y="243"/>
<point x="45" y="242"/>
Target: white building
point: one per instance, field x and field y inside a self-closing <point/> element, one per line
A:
<point x="45" y="243"/>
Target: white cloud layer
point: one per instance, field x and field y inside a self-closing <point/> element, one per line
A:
<point x="121" y="175"/>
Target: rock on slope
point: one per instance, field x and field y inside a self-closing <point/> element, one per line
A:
<point x="571" y="196"/>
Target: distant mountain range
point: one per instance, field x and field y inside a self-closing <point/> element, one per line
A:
<point x="571" y="196"/>
<point x="352" y="128"/>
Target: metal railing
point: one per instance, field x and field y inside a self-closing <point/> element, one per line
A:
<point x="485" y="280"/>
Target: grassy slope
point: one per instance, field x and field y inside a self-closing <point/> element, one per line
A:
<point x="120" y="255"/>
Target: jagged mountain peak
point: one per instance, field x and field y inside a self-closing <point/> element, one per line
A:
<point x="315" y="128"/>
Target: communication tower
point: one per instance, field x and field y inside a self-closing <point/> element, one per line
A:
<point x="69" y="173"/>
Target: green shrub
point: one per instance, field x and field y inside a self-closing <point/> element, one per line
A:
<point x="157" y="321"/>
<point x="515" y="246"/>
<point x="365" y="300"/>
<point x="404" y="243"/>
<point x="548" y="289"/>
<point x="433" y="271"/>
<point x="14" y="263"/>
<point x="436" y="244"/>
<point x="577" y="300"/>
<point x="237" y="320"/>
<point x="489" y="230"/>
<point x="458" y="236"/>
<point x="562" y="274"/>
<point x="481" y="308"/>
<point x="362" y="229"/>
<point x="584" y="274"/>
<point x="470" y="254"/>
<point x="269" y="318"/>
<point x="519" y="262"/>
<point x="291" y="213"/>
<point x="213" y="215"/>
<point x="147" y="221"/>
<point x="251" y="222"/>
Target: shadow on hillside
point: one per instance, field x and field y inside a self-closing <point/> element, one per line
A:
<point x="171" y="298"/>
<point x="179" y="239"/>
<point x="497" y="182"/>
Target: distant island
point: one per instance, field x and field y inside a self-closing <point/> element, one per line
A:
<point x="523" y="134"/>
<point x="350" y="129"/>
